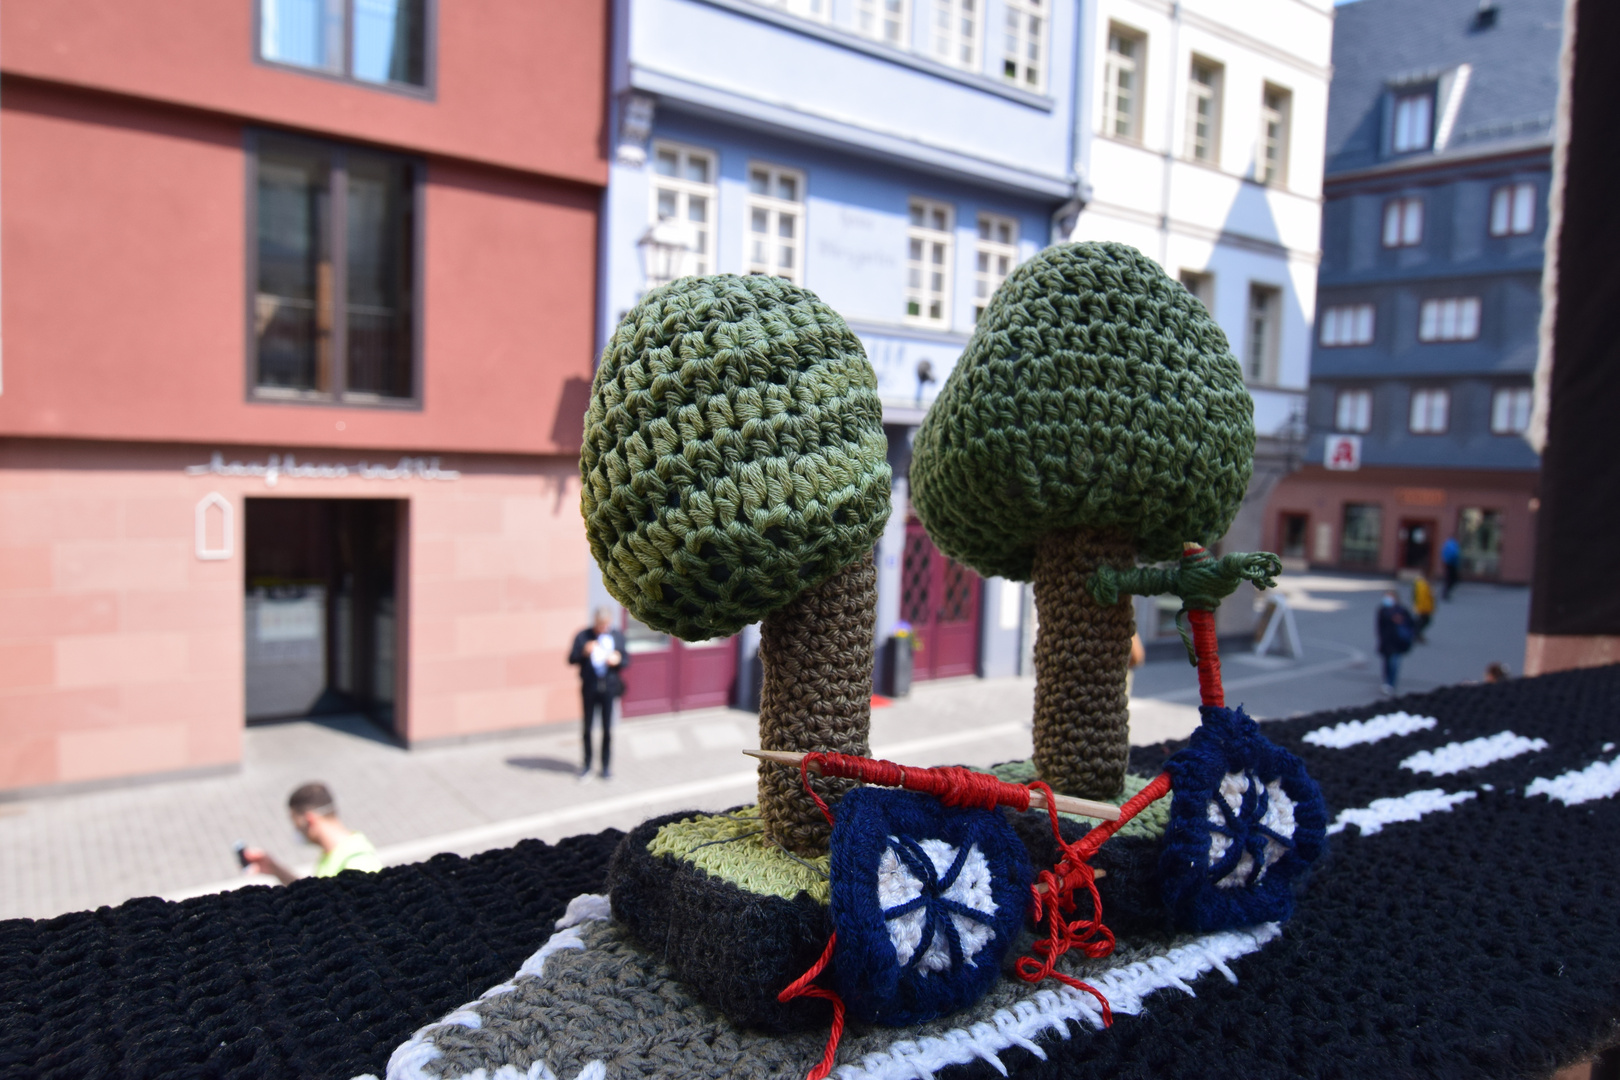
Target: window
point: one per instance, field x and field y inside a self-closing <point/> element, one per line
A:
<point x="956" y="32"/>
<point x="995" y="255"/>
<point x="1455" y="318"/>
<point x="374" y="41"/>
<point x="1413" y="123"/>
<point x="1204" y="111"/>
<point x="1362" y="534"/>
<point x="1403" y="222"/>
<point x="1023" y="60"/>
<point x="683" y="192"/>
<point x="928" y="263"/>
<point x="1479" y="538"/>
<point x="1347" y="324"/>
<point x="775" y="222"/>
<point x="1260" y="346"/>
<point x="1430" y="411"/>
<point x="1293" y="528"/>
<point x="1122" y="84"/>
<point x="334" y="273"/>
<point x="884" y="20"/>
<point x="819" y="10"/>
<point x="1352" y="411"/>
<point x="1275" y="105"/>
<point x="1201" y="284"/>
<point x="1510" y="410"/>
<point x="1513" y="209"/>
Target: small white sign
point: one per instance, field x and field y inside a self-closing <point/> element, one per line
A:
<point x="1342" y="453"/>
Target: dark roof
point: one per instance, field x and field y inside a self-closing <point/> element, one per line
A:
<point x="1511" y="90"/>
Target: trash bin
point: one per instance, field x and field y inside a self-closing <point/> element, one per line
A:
<point x="897" y="665"/>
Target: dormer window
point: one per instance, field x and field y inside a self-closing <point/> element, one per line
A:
<point x="1414" y="122"/>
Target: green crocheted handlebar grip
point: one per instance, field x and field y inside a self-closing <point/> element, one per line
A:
<point x="1095" y="393"/>
<point x="734" y="453"/>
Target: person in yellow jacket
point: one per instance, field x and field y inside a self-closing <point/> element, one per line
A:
<point x="314" y="814"/>
<point x="1422" y="604"/>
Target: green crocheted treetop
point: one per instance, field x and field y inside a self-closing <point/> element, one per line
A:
<point x="1096" y="392"/>
<point x="734" y="453"/>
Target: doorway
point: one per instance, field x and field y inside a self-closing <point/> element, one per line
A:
<point x="940" y="599"/>
<point x="321" y="610"/>
<point x="1416" y="539"/>
<point x="1292" y="531"/>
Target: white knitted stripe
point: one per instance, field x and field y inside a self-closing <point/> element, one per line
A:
<point x="1409" y="807"/>
<point x="1599" y="780"/>
<point x="1356" y="732"/>
<point x="1050" y="1010"/>
<point x="410" y="1059"/>
<point x="1457" y="756"/>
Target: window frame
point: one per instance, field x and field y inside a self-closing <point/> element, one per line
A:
<point x="684" y="190"/>
<point x="954" y="8"/>
<point x="1346" y="395"/>
<point x="1526" y="394"/>
<point x="1284" y="115"/>
<point x="1511" y="192"/>
<point x="1016" y="15"/>
<point x="1372" y="511"/>
<point x="337" y="395"/>
<point x="1214" y="92"/>
<point x="1478" y="308"/>
<point x="1400" y="98"/>
<point x="1110" y="97"/>
<point x="927" y="233"/>
<point x="1402" y="205"/>
<point x="428" y="91"/>
<point x="990" y="247"/>
<point x="775" y="205"/>
<point x="1429" y="393"/>
<point x="1197" y="282"/>
<point x="875" y="10"/>
<point x="1334" y="316"/>
<point x="1272" y="345"/>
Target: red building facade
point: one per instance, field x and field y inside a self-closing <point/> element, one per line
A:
<point x="297" y="305"/>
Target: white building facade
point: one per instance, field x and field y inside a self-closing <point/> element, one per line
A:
<point x="1204" y="149"/>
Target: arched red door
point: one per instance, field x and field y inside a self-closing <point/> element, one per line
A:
<point x="940" y="599"/>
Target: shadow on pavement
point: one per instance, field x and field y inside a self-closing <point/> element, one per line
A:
<point x="543" y="764"/>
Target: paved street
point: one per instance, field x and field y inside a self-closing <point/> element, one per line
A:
<point x="175" y="838"/>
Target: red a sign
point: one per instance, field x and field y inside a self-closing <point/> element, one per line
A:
<point x="1342" y="452"/>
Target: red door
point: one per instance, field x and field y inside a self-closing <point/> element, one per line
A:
<point x="940" y="599"/>
<point x="669" y="675"/>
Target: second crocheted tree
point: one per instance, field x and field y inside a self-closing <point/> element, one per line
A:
<point x="735" y="470"/>
<point x="1097" y="415"/>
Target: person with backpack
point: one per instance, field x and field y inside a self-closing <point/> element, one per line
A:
<point x="1396" y="632"/>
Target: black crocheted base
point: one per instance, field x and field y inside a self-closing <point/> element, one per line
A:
<point x="1483" y="942"/>
<point x="1129" y="885"/>
<point x="733" y="950"/>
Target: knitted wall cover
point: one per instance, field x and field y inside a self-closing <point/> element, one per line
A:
<point x="1464" y="924"/>
<point x="734" y="453"/>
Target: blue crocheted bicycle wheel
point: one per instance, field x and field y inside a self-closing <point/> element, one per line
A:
<point x="1246" y="820"/>
<point x="926" y="901"/>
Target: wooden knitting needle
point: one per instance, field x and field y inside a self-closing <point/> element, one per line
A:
<point x="1066" y="804"/>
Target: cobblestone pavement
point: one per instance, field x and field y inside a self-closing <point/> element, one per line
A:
<point x="175" y="838"/>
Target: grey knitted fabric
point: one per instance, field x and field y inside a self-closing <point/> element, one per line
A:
<point x="612" y="1005"/>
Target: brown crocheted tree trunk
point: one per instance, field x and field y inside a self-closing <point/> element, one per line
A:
<point x="816" y="654"/>
<point x="1082" y="652"/>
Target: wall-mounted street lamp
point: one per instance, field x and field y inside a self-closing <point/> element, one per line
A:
<point x="663" y="249"/>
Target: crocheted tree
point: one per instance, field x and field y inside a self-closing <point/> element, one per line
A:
<point x="1097" y="415"/>
<point x="734" y="470"/>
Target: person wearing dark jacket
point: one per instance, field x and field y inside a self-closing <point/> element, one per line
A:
<point x="1396" y="631"/>
<point x="600" y="654"/>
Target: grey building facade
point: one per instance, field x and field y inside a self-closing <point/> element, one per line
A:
<point x="1440" y="126"/>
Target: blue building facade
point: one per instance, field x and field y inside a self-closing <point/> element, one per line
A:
<point x="898" y="158"/>
<point x="1440" y="127"/>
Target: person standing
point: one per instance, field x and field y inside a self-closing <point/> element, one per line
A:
<point x="1422" y="605"/>
<point x="314" y="815"/>
<point x="1396" y="629"/>
<point x="601" y="656"/>
<point x="1451" y="558"/>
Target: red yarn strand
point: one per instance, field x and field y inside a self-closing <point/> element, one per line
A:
<point x="1209" y="657"/>
<point x="805" y="986"/>
<point x="952" y="785"/>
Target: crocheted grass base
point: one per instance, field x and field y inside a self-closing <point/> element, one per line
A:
<point x="733" y="847"/>
<point x="592" y="1004"/>
<point x="1149" y="824"/>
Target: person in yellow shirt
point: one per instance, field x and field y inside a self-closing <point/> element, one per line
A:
<point x="1422" y="604"/>
<point x="314" y="814"/>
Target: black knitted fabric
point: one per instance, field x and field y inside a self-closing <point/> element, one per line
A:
<point x="320" y="979"/>
<point x="1129" y="865"/>
<point x="1482" y="942"/>
<point x="732" y="950"/>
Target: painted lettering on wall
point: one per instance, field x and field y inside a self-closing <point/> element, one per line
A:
<point x="277" y="466"/>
